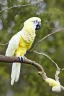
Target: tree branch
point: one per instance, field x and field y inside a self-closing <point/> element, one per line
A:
<point x="50" y="81"/>
<point x="21" y="6"/>
<point x="58" y="69"/>
<point x="55" y="31"/>
<point x="44" y="54"/>
<point x="26" y="61"/>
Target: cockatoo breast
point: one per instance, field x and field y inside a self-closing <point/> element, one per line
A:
<point x="28" y="33"/>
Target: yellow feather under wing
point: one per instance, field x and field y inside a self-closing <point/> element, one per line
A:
<point x="23" y="47"/>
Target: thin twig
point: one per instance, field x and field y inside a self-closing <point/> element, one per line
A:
<point x="62" y="87"/>
<point x="57" y="74"/>
<point x="21" y="6"/>
<point x="56" y="31"/>
<point x="48" y="58"/>
<point x="3" y="44"/>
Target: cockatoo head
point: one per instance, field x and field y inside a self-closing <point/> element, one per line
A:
<point x="36" y="22"/>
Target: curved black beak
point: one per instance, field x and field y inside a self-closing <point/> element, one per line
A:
<point x="38" y="26"/>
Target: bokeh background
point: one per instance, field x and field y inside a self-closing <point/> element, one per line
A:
<point x="51" y="13"/>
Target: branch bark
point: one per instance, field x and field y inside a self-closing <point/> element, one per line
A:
<point x="41" y="72"/>
<point x="25" y="61"/>
<point x="8" y="8"/>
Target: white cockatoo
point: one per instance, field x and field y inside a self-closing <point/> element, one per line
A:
<point x="20" y="43"/>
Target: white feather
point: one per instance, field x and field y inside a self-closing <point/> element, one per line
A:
<point x="13" y="73"/>
<point x="18" y="66"/>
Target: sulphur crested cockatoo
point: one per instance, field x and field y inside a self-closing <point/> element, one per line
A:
<point x="20" y="43"/>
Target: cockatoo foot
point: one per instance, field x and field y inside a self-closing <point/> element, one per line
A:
<point x="21" y="58"/>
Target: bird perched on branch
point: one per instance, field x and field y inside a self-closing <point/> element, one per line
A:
<point x="20" y="43"/>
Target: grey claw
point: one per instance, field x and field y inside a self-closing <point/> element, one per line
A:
<point x="21" y="58"/>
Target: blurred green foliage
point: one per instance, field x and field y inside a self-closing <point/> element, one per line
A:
<point x="30" y="83"/>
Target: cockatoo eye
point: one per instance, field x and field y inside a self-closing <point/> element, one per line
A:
<point x="35" y="21"/>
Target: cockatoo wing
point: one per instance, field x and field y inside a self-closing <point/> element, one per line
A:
<point x="13" y="44"/>
<point x="12" y="47"/>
